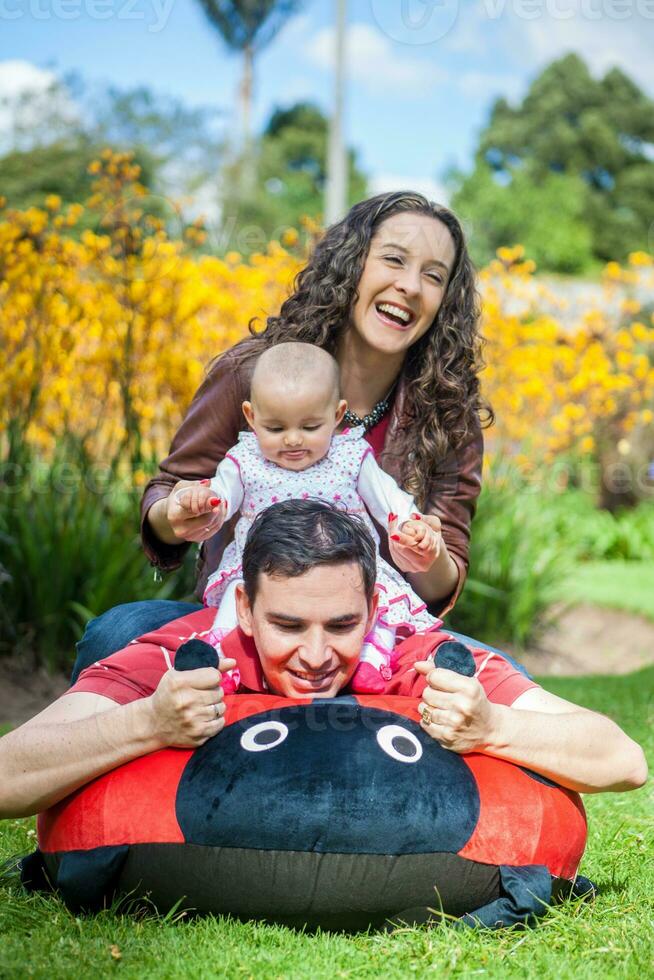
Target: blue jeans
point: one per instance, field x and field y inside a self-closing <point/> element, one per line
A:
<point x="484" y="646"/>
<point x="115" y="628"/>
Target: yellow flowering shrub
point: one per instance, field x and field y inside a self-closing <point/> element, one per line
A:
<point x="106" y="333"/>
<point x="107" y="337"/>
<point x="566" y="384"/>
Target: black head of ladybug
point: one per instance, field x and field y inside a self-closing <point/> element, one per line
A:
<point x="312" y="776"/>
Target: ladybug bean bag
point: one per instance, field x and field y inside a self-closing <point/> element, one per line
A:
<point x="341" y="813"/>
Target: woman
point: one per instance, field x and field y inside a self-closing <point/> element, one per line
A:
<point x="390" y="292"/>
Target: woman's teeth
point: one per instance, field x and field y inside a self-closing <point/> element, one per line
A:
<point x="395" y="312"/>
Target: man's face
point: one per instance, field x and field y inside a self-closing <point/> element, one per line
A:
<point x="308" y="630"/>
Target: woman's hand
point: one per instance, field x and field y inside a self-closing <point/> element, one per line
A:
<point x="416" y="546"/>
<point x="455" y="710"/>
<point x="188" y="707"/>
<point x="193" y="510"/>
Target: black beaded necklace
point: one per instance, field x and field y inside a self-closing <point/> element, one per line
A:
<point x="374" y="416"/>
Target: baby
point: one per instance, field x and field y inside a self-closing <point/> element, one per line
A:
<point x="295" y="451"/>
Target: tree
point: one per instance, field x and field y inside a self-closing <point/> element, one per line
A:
<point x="176" y="147"/>
<point x="547" y="217"/>
<point x="27" y="177"/>
<point x="248" y="26"/>
<point x="597" y="131"/>
<point x="292" y="169"/>
<point x="183" y="142"/>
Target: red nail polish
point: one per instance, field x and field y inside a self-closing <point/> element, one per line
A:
<point x="395" y="537"/>
<point x="392" y="517"/>
<point x="214" y="501"/>
<point x="204" y="482"/>
<point x="416" y="517"/>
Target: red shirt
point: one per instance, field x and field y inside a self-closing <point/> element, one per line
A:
<point x="135" y="671"/>
<point x="376" y="436"/>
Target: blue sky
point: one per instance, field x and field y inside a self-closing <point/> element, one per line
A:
<point x="422" y="73"/>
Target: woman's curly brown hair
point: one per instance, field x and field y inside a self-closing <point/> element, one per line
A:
<point x="443" y="403"/>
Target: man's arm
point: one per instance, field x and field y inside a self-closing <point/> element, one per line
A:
<point x="578" y="748"/>
<point x="83" y="735"/>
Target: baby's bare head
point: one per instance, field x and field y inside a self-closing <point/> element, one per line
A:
<point x="294" y="370"/>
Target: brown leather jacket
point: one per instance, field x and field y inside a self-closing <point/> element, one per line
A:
<point x="211" y="427"/>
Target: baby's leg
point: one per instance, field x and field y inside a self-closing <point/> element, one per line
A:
<point x="224" y="622"/>
<point x="374" y="668"/>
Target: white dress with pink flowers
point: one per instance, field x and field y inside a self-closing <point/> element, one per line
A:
<point x="347" y="476"/>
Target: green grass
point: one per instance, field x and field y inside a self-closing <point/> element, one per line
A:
<point x="612" y="937"/>
<point x="626" y="585"/>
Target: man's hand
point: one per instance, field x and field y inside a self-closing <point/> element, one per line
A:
<point x="461" y="714"/>
<point x="188" y="706"/>
<point x="193" y="510"/>
<point x="416" y="545"/>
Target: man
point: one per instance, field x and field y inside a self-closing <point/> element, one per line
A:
<point x="307" y="601"/>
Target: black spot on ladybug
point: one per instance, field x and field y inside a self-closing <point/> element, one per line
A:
<point x="318" y="760"/>
<point x="194" y="654"/>
<point x="455" y="656"/>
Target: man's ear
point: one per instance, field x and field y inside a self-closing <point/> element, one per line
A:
<point x="372" y="610"/>
<point x="243" y="610"/>
<point x="341" y="409"/>
<point x="249" y="413"/>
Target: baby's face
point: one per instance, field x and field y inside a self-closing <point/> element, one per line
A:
<point x="294" y="429"/>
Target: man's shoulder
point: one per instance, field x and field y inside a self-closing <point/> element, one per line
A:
<point x="135" y="671"/>
<point x="501" y="681"/>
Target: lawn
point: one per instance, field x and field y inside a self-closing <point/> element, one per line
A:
<point x="612" y="937"/>
<point x="595" y="582"/>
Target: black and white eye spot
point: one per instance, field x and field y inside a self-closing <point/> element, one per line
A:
<point x="401" y="744"/>
<point x="266" y="735"/>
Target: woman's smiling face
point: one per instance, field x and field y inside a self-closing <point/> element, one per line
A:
<point x="403" y="282"/>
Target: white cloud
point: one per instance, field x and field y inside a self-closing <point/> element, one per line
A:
<point x="603" y="44"/>
<point x="382" y="183"/>
<point x="373" y="60"/>
<point x="18" y="77"/>
<point x="529" y="34"/>
<point x="31" y="98"/>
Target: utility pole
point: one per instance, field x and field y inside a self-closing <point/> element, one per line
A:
<point x="336" y="190"/>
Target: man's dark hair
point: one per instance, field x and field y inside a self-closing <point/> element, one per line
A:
<point x="292" y="537"/>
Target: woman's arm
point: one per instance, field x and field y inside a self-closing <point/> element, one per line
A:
<point x="191" y="515"/>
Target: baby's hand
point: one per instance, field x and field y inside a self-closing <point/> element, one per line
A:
<point x="197" y="498"/>
<point x="194" y="511"/>
<point x="416" y="545"/>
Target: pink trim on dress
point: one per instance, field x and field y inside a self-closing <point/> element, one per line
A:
<point x="385" y="651"/>
<point x="404" y="596"/>
<point x="224" y="574"/>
